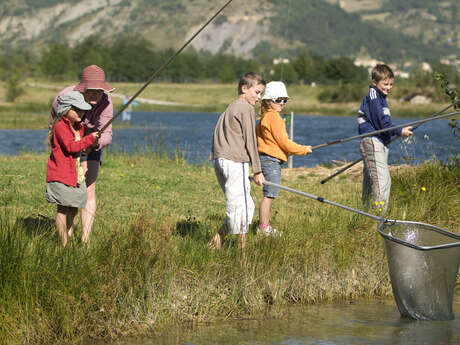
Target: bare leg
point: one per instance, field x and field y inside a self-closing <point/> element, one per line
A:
<point x="264" y="210"/>
<point x="61" y="223"/>
<point x="88" y="213"/>
<point x="216" y="241"/>
<point x="71" y="213"/>
<point x="241" y="241"/>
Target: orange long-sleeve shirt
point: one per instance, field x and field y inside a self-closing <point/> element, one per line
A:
<point x="273" y="140"/>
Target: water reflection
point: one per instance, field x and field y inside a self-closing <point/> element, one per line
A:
<point x="365" y="322"/>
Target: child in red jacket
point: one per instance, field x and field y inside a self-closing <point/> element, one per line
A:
<point x="65" y="181"/>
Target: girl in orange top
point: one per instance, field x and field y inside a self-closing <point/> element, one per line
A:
<point x="274" y="147"/>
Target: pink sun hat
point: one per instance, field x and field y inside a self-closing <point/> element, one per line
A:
<point x="93" y="77"/>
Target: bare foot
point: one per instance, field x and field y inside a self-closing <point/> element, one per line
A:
<point x="215" y="242"/>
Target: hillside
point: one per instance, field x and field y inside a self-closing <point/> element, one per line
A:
<point x="382" y="29"/>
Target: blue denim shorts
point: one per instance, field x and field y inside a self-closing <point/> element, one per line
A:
<point x="271" y="168"/>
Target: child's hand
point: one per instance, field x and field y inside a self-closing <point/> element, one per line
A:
<point x="406" y="132"/>
<point x="259" y="179"/>
<point x="97" y="135"/>
<point x="309" y="150"/>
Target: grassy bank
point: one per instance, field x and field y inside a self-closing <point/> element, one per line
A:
<point x="31" y="109"/>
<point x="148" y="267"/>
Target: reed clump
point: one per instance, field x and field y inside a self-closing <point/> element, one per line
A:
<point x="147" y="266"/>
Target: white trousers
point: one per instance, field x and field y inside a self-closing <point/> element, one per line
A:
<point x="233" y="178"/>
<point x="376" y="174"/>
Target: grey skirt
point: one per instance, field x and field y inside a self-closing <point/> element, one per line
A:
<point x="61" y="194"/>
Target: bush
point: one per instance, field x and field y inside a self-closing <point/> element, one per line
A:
<point x="13" y="88"/>
<point x="342" y="93"/>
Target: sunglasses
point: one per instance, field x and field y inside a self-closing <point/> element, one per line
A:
<point x="280" y="101"/>
<point x="80" y="112"/>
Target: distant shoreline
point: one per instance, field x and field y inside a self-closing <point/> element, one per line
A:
<point x="31" y="108"/>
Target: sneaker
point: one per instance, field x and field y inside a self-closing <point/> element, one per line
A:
<point x="269" y="231"/>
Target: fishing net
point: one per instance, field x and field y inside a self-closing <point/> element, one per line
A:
<point x="423" y="262"/>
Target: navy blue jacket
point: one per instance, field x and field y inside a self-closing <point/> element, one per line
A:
<point x="374" y="115"/>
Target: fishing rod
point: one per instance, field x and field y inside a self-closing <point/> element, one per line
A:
<point x="453" y="104"/>
<point x="339" y="141"/>
<point x="381" y="219"/>
<point x="163" y="67"/>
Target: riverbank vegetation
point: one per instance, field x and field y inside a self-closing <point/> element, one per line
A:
<point x="133" y="59"/>
<point x="148" y="267"/>
<point x="30" y="110"/>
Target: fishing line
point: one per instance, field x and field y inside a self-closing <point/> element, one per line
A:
<point x="163" y="67"/>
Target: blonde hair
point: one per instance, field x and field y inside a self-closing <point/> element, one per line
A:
<point x="49" y="139"/>
<point x="265" y="105"/>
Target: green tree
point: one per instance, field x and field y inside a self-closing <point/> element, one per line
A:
<point x="186" y="67"/>
<point x="285" y="72"/>
<point x="56" y="62"/>
<point x="13" y="87"/>
<point x="19" y="61"/>
<point x="343" y="69"/>
<point x="226" y="73"/>
<point x="133" y="59"/>
<point x="308" y="68"/>
<point x="454" y="98"/>
<point x="91" y="51"/>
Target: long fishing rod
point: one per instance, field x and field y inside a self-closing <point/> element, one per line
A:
<point x="346" y="167"/>
<point x="163" y="67"/>
<point x="320" y="199"/>
<point x="381" y="219"/>
<point x="339" y="141"/>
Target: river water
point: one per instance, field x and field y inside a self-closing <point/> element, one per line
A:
<point x="192" y="134"/>
<point x="363" y="322"/>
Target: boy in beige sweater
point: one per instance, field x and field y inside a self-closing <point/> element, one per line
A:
<point x="234" y="146"/>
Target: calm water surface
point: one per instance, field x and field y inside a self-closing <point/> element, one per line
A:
<point x="192" y="134"/>
<point x="361" y="323"/>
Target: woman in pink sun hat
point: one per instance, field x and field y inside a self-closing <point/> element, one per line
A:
<point x="95" y="90"/>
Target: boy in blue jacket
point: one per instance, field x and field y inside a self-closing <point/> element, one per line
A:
<point x="374" y="115"/>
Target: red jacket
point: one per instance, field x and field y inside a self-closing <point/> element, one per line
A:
<point x="62" y="165"/>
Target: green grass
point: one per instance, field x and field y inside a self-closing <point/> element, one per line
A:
<point x="147" y="266"/>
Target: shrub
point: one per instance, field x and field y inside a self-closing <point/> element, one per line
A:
<point x="342" y="93"/>
<point x="13" y="87"/>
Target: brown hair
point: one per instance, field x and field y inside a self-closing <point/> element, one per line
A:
<point x="265" y="105"/>
<point x="249" y="80"/>
<point x="382" y="71"/>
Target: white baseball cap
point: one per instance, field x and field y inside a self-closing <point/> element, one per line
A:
<point x="274" y="90"/>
